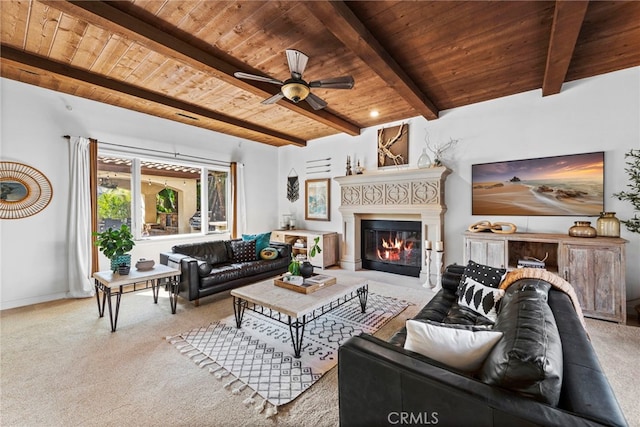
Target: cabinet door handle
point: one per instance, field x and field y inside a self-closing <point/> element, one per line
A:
<point x="566" y="275"/>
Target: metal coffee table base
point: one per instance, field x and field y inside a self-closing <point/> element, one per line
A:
<point x="297" y="325"/>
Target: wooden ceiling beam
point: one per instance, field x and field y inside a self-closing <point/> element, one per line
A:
<point x="40" y="63"/>
<point x="346" y="27"/>
<point x="567" y="21"/>
<point x="108" y="17"/>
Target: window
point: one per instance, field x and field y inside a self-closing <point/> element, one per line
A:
<point x="167" y="195"/>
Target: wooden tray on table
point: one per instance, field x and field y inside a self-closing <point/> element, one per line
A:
<point x="309" y="285"/>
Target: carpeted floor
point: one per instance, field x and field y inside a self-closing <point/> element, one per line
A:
<point x="61" y="365"/>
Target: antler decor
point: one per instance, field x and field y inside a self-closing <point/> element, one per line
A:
<point x="438" y="150"/>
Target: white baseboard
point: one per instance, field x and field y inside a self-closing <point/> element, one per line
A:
<point x="5" y="305"/>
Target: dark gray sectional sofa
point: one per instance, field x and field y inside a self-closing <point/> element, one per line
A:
<point x="216" y="266"/>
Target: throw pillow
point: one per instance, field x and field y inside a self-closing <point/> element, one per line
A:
<point x="269" y="253"/>
<point x="244" y="250"/>
<point x="462" y="349"/>
<point x="488" y="276"/>
<point x="262" y="241"/>
<point x="479" y="298"/>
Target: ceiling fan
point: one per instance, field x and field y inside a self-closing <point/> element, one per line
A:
<point x="295" y="89"/>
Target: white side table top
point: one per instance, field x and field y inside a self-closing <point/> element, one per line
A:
<point x="111" y="279"/>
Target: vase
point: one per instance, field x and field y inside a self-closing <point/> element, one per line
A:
<point x="118" y="260"/>
<point x="306" y="269"/>
<point x="424" y="161"/>
<point x="608" y="225"/>
<point x="582" y="229"/>
<point x="123" y="269"/>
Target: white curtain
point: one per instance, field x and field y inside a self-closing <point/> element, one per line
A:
<point x="79" y="226"/>
<point x="242" y="203"/>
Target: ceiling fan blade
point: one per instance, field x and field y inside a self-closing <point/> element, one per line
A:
<point x="345" y="82"/>
<point x="258" y="78"/>
<point x="316" y="102"/>
<point x="297" y="62"/>
<point x="275" y="98"/>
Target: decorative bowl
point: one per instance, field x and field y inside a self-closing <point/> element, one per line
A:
<point x="144" y="264"/>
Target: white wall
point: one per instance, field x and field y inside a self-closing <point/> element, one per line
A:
<point x="33" y="251"/>
<point x="596" y="114"/>
<point x="602" y="113"/>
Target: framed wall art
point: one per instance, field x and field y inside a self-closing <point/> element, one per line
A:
<point x="393" y="146"/>
<point x="24" y="191"/>
<point x="317" y="195"/>
<point x="571" y="185"/>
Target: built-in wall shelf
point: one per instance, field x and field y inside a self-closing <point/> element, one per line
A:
<point x="594" y="266"/>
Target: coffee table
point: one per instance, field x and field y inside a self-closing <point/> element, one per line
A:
<point x="296" y="309"/>
<point x="110" y="284"/>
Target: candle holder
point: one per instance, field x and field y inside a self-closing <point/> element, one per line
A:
<point x="439" y="255"/>
<point x="427" y="263"/>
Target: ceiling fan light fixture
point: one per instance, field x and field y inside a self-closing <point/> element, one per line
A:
<point x="295" y="91"/>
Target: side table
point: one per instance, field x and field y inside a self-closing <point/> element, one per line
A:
<point x="111" y="284"/>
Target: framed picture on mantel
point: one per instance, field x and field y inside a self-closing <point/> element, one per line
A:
<point x="317" y="195"/>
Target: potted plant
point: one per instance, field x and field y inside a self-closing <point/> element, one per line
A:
<point x="116" y="245"/>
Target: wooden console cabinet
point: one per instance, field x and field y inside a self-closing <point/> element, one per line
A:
<point x="328" y="243"/>
<point x="594" y="266"/>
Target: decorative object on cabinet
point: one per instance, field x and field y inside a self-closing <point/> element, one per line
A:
<point x="317" y="199"/>
<point x="496" y="227"/>
<point x="293" y="186"/>
<point x="594" y="267"/>
<point x="608" y="225"/>
<point x="633" y="195"/>
<point x="507" y="188"/>
<point x="393" y="150"/>
<point x="582" y="229"/>
<point x="24" y="190"/>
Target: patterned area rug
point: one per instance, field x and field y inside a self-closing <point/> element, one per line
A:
<point x="259" y="356"/>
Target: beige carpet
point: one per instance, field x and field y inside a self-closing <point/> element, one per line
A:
<point x="61" y="366"/>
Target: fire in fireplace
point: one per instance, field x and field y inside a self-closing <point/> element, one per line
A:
<point x="392" y="246"/>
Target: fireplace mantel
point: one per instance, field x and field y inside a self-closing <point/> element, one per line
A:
<point x="416" y="194"/>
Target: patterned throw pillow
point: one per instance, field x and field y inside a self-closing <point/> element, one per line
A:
<point x="483" y="274"/>
<point x="262" y="240"/>
<point x="243" y="250"/>
<point x="269" y="253"/>
<point x="479" y="298"/>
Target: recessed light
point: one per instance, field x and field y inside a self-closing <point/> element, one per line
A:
<point x="374" y="113"/>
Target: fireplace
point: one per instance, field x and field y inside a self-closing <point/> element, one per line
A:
<point x="392" y="246"/>
<point x="391" y="195"/>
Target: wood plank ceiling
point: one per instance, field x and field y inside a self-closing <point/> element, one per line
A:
<point x="176" y="59"/>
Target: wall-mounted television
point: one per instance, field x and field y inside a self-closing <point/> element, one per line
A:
<point x="571" y="185"/>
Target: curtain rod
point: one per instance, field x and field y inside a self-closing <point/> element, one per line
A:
<point x="174" y="154"/>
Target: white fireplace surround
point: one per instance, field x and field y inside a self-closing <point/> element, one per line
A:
<point x="404" y="194"/>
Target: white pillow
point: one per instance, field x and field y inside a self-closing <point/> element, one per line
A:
<point x="459" y="348"/>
